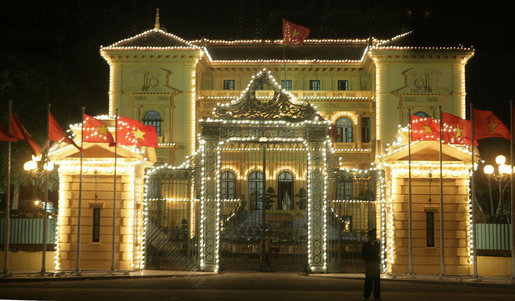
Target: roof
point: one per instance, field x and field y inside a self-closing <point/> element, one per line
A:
<point x="152" y="39"/>
<point x="289" y="52"/>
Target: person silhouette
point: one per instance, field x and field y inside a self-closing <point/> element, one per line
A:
<point x="371" y="255"/>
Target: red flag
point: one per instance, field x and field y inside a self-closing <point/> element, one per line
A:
<point x="56" y="132"/>
<point x="424" y="128"/>
<point x="455" y="130"/>
<point x="96" y="131"/>
<point x="293" y="33"/>
<point x="487" y="125"/>
<point x="132" y="132"/>
<point x="4" y="135"/>
<point x="17" y="130"/>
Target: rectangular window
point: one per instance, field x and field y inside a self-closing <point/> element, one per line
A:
<point x="229" y="84"/>
<point x="343" y="85"/>
<point x="96" y="225"/>
<point x="314" y="85"/>
<point x="365" y="129"/>
<point x="430" y="219"/>
<point x="286" y="84"/>
<point x="344" y="190"/>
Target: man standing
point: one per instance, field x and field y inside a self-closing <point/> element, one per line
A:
<point x="370" y="254"/>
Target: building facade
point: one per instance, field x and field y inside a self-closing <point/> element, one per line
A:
<point x="295" y="146"/>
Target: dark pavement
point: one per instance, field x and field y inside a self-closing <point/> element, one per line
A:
<point x="244" y="286"/>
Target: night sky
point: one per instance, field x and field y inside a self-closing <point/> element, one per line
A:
<point x="50" y="49"/>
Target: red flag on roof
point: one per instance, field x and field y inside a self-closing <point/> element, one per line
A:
<point x="455" y="130"/>
<point x="96" y="131"/>
<point x="293" y="33"/>
<point x="17" y="130"/>
<point x="56" y="132"/>
<point x="132" y="132"/>
<point x="424" y="128"/>
<point x="487" y="125"/>
<point x="5" y="136"/>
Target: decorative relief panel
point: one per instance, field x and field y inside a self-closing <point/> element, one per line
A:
<point x="153" y="80"/>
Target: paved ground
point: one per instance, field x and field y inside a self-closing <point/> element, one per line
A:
<point x="243" y="286"/>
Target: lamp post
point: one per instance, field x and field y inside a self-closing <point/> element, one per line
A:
<point x="33" y="167"/>
<point x="503" y="173"/>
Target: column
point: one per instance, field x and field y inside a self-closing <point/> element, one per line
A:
<point x="317" y="219"/>
<point x="209" y="208"/>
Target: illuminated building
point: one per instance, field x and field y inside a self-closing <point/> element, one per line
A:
<point x="222" y="108"/>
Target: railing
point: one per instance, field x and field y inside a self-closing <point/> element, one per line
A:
<point x="297" y="93"/>
<point x="493" y="237"/>
<point x="28" y="231"/>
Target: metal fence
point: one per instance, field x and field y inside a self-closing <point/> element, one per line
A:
<point x="28" y="231"/>
<point x="493" y="237"/>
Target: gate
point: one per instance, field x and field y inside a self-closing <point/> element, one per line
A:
<point x="351" y="214"/>
<point x="263" y="214"/>
<point x="171" y="213"/>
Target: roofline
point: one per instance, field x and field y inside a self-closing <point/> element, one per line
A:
<point x="115" y="45"/>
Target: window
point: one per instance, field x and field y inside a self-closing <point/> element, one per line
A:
<point x="314" y="85"/>
<point x="228" y="185"/>
<point x="420" y="114"/>
<point x="286" y="84"/>
<point x="365" y="129"/>
<point x="344" y="130"/>
<point x="229" y="84"/>
<point x="259" y="86"/>
<point x="96" y="225"/>
<point x="285" y="191"/>
<point x="256" y="190"/>
<point x="343" y="85"/>
<point x="344" y="189"/>
<point x="154" y="119"/>
<point x="430" y="219"/>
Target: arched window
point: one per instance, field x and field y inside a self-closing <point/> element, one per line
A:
<point x="285" y="191"/>
<point x="228" y="185"/>
<point x="256" y="190"/>
<point x="421" y="114"/>
<point x="344" y="130"/>
<point x="153" y="118"/>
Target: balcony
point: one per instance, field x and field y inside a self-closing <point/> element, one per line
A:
<point x="221" y="94"/>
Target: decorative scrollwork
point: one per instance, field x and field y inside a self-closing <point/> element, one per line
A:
<point x="279" y="107"/>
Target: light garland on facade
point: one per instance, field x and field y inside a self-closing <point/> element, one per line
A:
<point x="304" y="98"/>
<point x="351" y="115"/>
<point x="116" y="46"/>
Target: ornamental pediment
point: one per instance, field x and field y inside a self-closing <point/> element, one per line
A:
<point x="278" y="107"/>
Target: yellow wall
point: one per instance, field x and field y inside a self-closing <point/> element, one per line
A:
<point x="28" y="261"/>
<point x="426" y="260"/>
<point x="494" y="266"/>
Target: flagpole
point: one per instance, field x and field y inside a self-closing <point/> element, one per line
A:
<point x="442" y="239"/>
<point x="45" y="213"/>
<point x="512" y="193"/>
<point x="77" y="262"/>
<point x="473" y="192"/>
<point x="114" y="188"/>
<point x="7" y="201"/>
<point x="410" y="230"/>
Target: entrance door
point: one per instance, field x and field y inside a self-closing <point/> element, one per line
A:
<point x="265" y="226"/>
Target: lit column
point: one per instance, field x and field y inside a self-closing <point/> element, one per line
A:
<point x="209" y="207"/>
<point x="317" y="226"/>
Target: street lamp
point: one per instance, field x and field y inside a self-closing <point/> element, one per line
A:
<point x="503" y="173"/>
<point x="33" y="167"/>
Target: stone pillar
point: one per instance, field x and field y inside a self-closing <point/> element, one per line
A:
<point x="209" y="207"/>
<point x="317" y="226"/>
